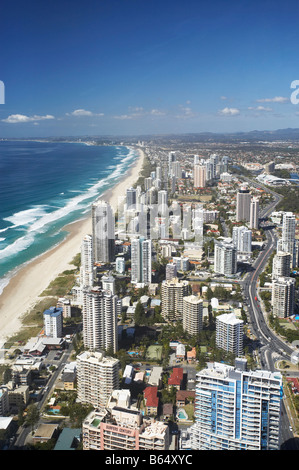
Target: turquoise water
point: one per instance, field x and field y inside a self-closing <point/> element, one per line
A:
<point x="182" y="414"/>
<point x="43" y="187"/>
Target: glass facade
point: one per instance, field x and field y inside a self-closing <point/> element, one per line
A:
<point x="236" y="409"/>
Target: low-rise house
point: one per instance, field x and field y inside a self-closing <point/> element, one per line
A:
<point x="69" y="380"/>
<point x="191" y="355"/>
<point x="45" y="432"/>
<point x="167" y="410"/>
<point x="183" y="397"/>
<point x="176" y="378"/>
<point x="128" y="374"/>
<point x="180" y="351"/>
<point x="155" y="378"/>
<point x="151" y="400"/>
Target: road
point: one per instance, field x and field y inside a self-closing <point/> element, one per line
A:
<point x="259" y="325"/>
<point x="24" y="431"/>
<point x="270" y="347"/>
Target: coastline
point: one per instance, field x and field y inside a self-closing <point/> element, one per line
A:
<point x="24" y="288"/>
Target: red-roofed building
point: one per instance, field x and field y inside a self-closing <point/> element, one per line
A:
<point x="151" y="400"/>
<point x="295" y="384"/>
<point x="176" y="378"/>
<point x="191" y="355"/>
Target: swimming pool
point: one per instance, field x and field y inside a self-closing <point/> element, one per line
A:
<point x="181" y="414"/>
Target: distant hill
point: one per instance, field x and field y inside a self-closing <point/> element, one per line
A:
<point x="291" y="135"/>
<point x="286" y="135"/>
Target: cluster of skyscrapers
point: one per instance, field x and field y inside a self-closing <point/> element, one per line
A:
<point x="228" y="251"/>
<point x="283" y="286"/>
<point x="206" y="170"/>
<point x="247" y="208"/>
<point x="100" y="305"/>
<point x="235" y="409"/>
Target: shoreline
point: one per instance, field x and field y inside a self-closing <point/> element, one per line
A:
<point x="24" y="288"/>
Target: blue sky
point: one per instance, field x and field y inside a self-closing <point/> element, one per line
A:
<point x="147" y="67"/>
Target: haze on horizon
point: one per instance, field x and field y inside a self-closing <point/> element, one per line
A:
<point x="132" y="67"/>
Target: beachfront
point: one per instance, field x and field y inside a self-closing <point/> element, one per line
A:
<point x="30" y="281"/>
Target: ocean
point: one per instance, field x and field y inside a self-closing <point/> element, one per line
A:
<point x="45" y="186"/>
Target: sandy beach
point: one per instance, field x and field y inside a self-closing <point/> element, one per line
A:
<point x="30" y="281"/>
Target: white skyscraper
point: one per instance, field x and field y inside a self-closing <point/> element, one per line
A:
<point x="287" y="241"/>
<point x="236" y="409"/>
<point x="172" y="293"/>
<point x="229" y="333"/>
<point x="171" y="158"/>
<point x="192" y="314"/>
<point x="214" y="159"/>
<point x="159" y="173"/>
<point x="176" y="170"/>
<point x="97" y="377"/>
<point x="141" y="261"/>
<point x="242" y="239"/>
<point x="170" y="271"/>
<point x="87" y="262"/>
<point x="53" y="322"/>
<point x="99" y="312"/>
<point x="198" y="224"/>
<point x="225" y="258"/>
<point x="103" y="232"/>
<point x="281" y="265"/>
<point x="131" y="198"/>
<point x="254" y="213"/>
<point x="196" y="159"/>
<point x="162" y="202"/>
<point x="209" y="170"/>
<point x="283" y="297"/>
<point x="200" y="176"/>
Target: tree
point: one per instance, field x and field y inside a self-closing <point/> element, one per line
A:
<point x="32" y="416"/>
<point x="209" y="294"/>
<point x="78" y="413"/>
<point x="139" y="315"/>
<point x="6" y="375"/>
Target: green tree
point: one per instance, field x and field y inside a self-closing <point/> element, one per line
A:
<point x="139" y="315"/>
<point x="6" y="375"/>
<point x="78" y="413"/>
<point x="32" y="416"/>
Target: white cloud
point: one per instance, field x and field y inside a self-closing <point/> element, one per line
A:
<point x="124" y="116"/>
<point x="139" y="112"/>
<point x="186" y="113"/>
<point x="83" y="112"/>
<point x="276" y="99"/>
<point x="260" y="108"/>
<point x="229" y="111"/>
<point x="136" y="109"/>
<point x="20" y="118"/>
<point x="157" y="112"/>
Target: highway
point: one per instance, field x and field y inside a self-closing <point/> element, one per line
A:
<point x="270" y="347"/>
<point x="258" y="322"/>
